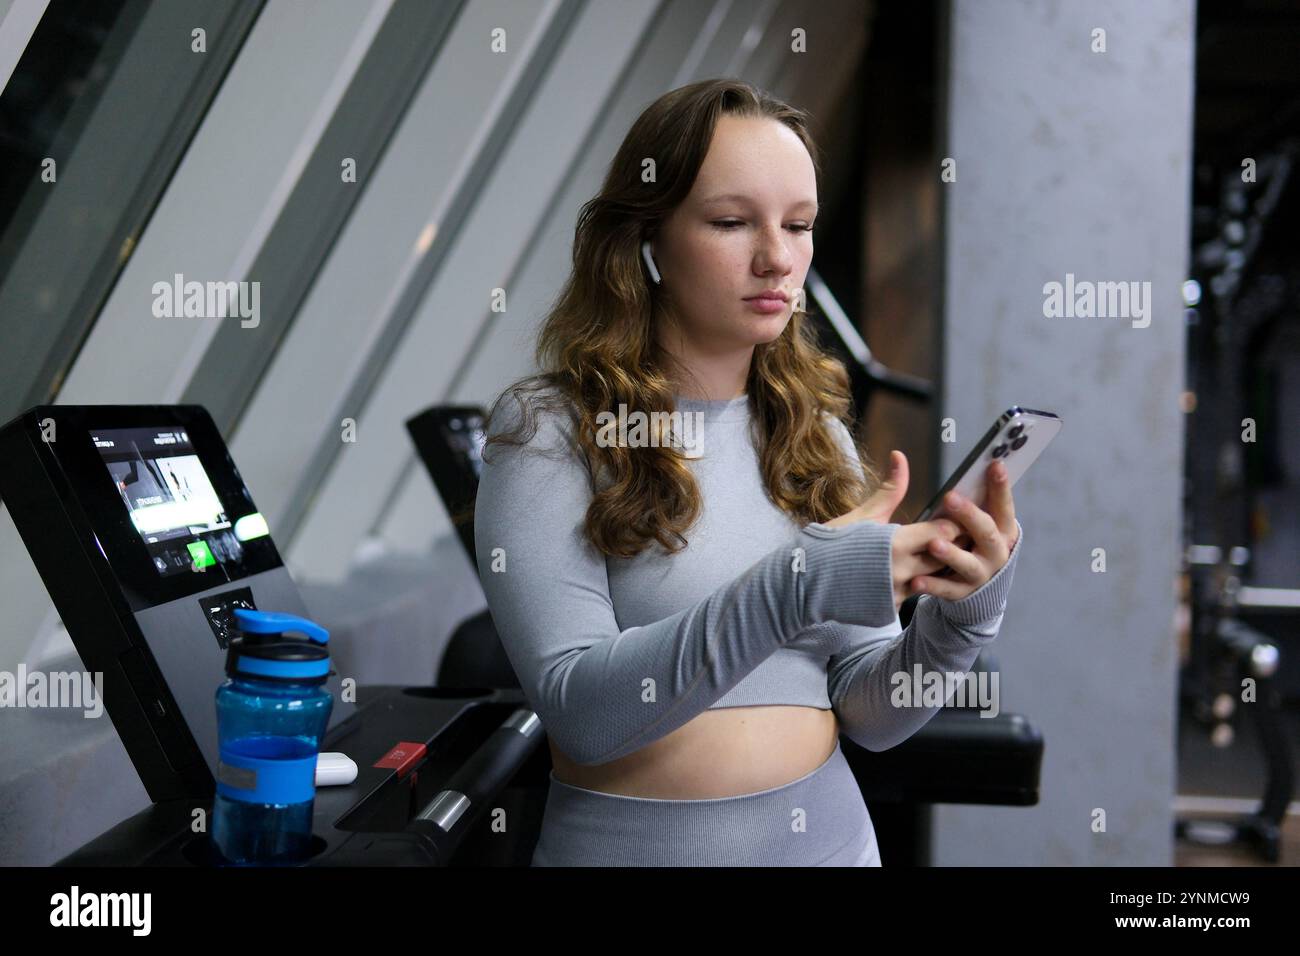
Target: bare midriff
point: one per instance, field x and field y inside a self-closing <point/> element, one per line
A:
<point x="720" y="753"/>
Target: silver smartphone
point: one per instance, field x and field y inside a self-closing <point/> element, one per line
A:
<point x="1016" y="439"/>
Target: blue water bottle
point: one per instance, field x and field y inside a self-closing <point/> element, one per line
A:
<point x="271" y="716"/>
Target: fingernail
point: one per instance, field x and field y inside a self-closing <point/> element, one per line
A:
<point x="940" y="547"/>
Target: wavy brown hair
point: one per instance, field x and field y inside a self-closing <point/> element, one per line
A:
<point x="596" y="348"/>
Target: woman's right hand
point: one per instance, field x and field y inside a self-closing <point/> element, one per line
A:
<point x="910" y="556"/>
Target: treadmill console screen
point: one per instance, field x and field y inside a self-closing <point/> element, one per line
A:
<point x="170" y="498"/>
<point x="154" y="490"/>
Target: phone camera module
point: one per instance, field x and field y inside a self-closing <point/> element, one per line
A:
<point x="999" y="451"/>
<point x="1014" y="432"/>
<point x="1019" y="443"/>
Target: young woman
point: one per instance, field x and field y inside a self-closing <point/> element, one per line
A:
<point x="696" y="621"/>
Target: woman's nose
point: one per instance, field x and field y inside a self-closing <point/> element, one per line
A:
<point x="773" y="253"/>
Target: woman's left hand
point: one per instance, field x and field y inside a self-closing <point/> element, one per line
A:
<point x="993" y="534"/>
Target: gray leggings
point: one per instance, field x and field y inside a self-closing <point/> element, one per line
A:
<point x="818" y="820"/>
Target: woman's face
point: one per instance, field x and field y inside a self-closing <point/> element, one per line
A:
<point x="744" y="229"/>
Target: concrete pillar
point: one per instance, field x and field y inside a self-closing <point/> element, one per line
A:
<point x="1072" y="157"/>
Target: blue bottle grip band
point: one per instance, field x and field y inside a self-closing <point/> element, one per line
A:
<point x="260" y="780"/>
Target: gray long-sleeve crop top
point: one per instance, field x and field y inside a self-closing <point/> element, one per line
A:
<point x="615" y="653"/>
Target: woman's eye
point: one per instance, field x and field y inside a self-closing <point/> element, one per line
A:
<point x="729" y="223"/>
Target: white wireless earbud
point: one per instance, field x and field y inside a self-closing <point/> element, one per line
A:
<point x="650" y="262"/>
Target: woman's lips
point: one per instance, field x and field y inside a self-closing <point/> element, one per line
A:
<point x="767" y="306"/>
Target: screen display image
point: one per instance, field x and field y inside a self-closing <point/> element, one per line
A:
<point x="170" y="498"/>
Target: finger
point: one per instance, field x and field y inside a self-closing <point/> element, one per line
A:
<point x="900" y="475"/>
<point x="978" y="522"/>
<point x="1001" y="507"/>
<point x="900" y="478"/>
<point x="882" y="504"/>
<point x="949" y="528"/>
<point x="948" y="590"/>
<point x="967" y="567"/>
<point x="913" y="539"/>
<point x="942" y="528"/>
<point x="955" y="533"/>
<point x="922" y="563"/>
